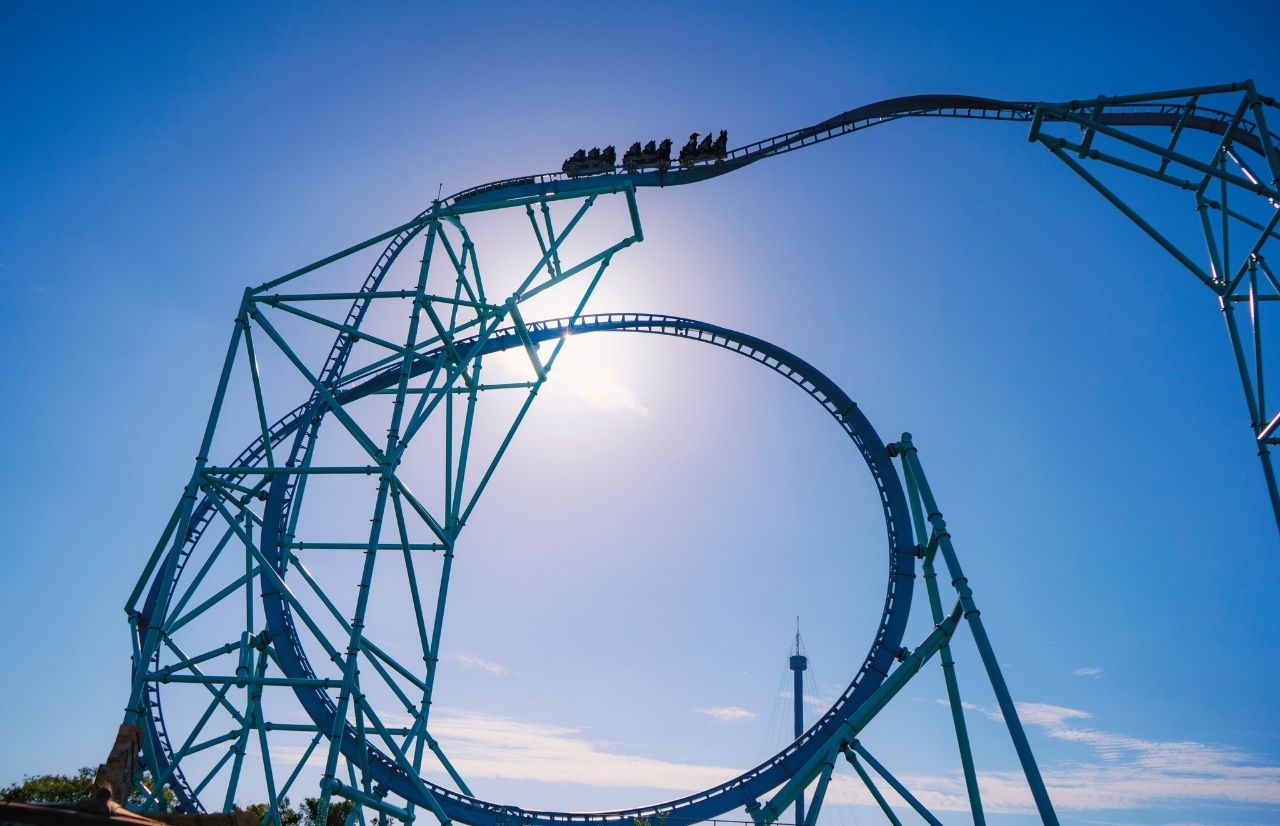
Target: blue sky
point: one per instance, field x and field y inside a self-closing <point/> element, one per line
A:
<point x="1070" y="388"/>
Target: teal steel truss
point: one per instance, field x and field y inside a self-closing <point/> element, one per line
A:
<point x="1230" y="185"/>
<point x="250" y="509"/>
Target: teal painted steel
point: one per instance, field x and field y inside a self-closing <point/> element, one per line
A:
<point x="896" y="785"/>
<point x="948" y="663"/>
<point x="980" y="638"/>
<point x="871" y="787"/>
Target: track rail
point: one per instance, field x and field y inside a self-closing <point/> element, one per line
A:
<point x="1146" y="110"/>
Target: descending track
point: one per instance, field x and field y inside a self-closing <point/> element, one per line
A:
<point x="301" y="426"/>
<point x="1115" y="111"/>
<point x="1132" y="110"/>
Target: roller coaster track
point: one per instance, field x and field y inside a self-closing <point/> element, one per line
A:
<point x="1114" y="111"/>
<point x="1154" y="110"/>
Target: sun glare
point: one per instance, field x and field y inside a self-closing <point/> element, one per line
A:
<point x="601" y="386"/>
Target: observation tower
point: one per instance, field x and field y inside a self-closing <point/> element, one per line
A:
<point x="799" y="662"/>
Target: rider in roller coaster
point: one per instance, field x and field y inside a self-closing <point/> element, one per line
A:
<point x="706" y="149"/>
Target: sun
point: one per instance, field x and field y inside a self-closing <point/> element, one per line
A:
<point x="600" y="386"/>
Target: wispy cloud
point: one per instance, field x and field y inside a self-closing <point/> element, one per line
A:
<point x="727" y="714"/>
<point x="967" y="706"/>
<point x="1087" y="671"/>
<point x="1121" y="773"/>
<point x="490" y="746"/>
<point x="1130" y="772"/>
<point x="478" y="664"/>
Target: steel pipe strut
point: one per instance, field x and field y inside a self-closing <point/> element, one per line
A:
<point x="985" y="650"/>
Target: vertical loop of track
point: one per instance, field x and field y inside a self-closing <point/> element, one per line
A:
<point x="735" y="793"/>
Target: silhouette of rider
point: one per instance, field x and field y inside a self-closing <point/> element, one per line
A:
<point x="722" y="144"/>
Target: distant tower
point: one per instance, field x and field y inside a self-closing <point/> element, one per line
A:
<point x="799" y="663"/>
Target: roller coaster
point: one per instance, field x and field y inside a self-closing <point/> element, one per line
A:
<point x="303" y="677"/>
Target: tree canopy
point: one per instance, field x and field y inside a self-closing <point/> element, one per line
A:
<point x="50" y="788"/>
<point x="68" y="789"/>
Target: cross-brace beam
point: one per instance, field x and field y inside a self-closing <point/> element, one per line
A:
<point x="1234" y="184"/>
<point x="846" y="740"/>
<point x="259" y="499"/>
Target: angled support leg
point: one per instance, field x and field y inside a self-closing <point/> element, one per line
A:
<point x="985" y="650"/>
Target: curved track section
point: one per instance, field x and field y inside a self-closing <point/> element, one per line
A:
<point x="1117" y="113"/>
